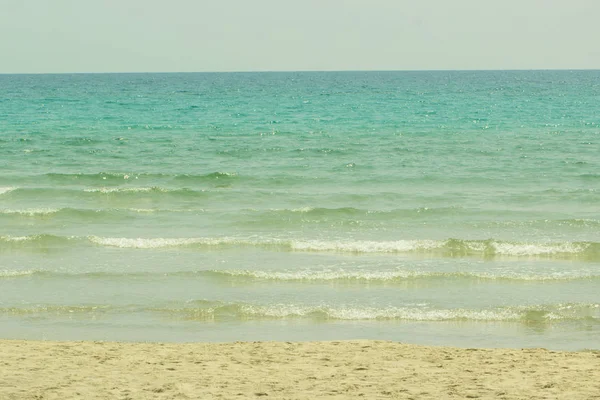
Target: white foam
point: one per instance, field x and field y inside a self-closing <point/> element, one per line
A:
<point x="155" y="243"/>
<point x="17" y="238"/>
<point x="532" y="249"/>
<point x="399" y="246"/>
<point x="30" y="212"/>
<point x="395" y="275"/>
<point x="389" y="313"/>
<point x="300" y="210"/>
<point x="141" y="243"/>
<point x="150" y="243"/>
<point x="364" y="246"/>
<point x="311" y="275"/>
<point x="113" y="190"/>
<point x="4" y="190"/>
<point x="143" y="210"/>
<point x="415" y="312"/>
<point x="12" y="273"/>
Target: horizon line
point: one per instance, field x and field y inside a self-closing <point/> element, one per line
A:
<point x="300" y="71"/>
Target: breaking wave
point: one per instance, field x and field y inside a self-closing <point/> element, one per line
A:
<point x="447" y="248"/>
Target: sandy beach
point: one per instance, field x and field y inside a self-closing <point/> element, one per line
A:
<point x="283" y="370"/>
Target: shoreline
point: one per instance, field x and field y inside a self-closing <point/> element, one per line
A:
<point x="290" y="370"/>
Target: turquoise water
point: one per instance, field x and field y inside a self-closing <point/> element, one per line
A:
<point x="453" y="208"/>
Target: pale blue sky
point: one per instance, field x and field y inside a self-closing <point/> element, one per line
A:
<point x="266" y="35"/>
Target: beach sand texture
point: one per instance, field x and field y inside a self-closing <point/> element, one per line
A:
<point x="277" y="370"/>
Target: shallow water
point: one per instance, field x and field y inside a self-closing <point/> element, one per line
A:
<point x="457" y="208"/>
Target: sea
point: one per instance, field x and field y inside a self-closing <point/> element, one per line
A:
<point x="457" y="208"/>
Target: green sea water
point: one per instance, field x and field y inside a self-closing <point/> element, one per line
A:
<point x="452" y="208"/>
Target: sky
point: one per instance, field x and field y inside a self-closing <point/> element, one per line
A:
<point x="59" y="36"/>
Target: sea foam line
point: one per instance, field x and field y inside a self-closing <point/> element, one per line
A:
<point x="30" y="212"/>
<point x="4" y="190"/>
<point x="449" y="247"/>
<point x="312" y="276"/>
<point x="16" y="273"/>
<point x="395" y="276"/>
<point x="124" y="190"/>
<point x="207" y="310"/>
<point x="154" y="243"/>
<point x="398" y="246"/>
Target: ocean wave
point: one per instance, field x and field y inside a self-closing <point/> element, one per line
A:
<point x="154" y="243"/>
<point x="6" y="273"/>
<point x="125" y="177"/>
<point x="140" y="243"/>
<point x="591" y="177"/>
<point x="365" y="213"/>
<point x="209" y="310"/>
<point x="88" y="178"/>
<point x="206" y="177"/>
<point x="27" y="193"/>
<point x="35" y="242"/>
<point x="129" y="190"/>
<point x="58" y="310"/>
<point x="321" y="150"/>
<point x="574" y="222"/>
<point x="276" y="218"/>
<point x="331" y="276"/>
<point x="393" y="276"/>
<point x="366" y="246"/>
<point x="582" y="196"/>
<point x="341" y="216"/>
<point x="4" y="190"/>
<point x="446" y="248"/>
<point x="112" y="275"/>
<point x="454" y="247"/>
<point x="80" y="141"/>
<point x="41" y="241"/>
<point x="84" y="214"/>
<point x="51" y="184"/>
<point x="146" y="191"/>
<point x="30" y="212"/>
<point x="534" y="249"/>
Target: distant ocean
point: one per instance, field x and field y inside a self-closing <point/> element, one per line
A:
<point x="448" y="208"/>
